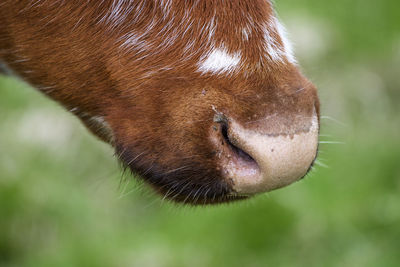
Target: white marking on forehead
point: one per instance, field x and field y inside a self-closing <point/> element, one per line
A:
<point x="219" y="61"/>
<point x="277" y="52"/>
<point x="246" y="31"/>
<point x="287" y="45"/>
<point x="272" y="46"/>
<point x="133" y="40"/>
<point x="211" y="27"/>
<point x="166" y="6"/>
<point x="118" y="12"/>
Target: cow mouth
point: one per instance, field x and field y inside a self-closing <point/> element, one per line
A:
<point x="197" y="194"/>
<point x="192" y="185"/>
<point x="203" y="200"/>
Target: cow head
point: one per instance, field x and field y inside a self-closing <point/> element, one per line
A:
<point x="202" y="99"/>
<point x="214" y="108"/>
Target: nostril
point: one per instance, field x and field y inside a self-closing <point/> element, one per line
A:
<point x="224" y="132"/>
<point x="235" y="149"/>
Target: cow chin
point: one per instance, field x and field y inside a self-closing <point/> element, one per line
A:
<point x="191" y="182"/>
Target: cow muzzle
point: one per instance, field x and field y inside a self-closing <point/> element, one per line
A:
<point x="253" y="161"/>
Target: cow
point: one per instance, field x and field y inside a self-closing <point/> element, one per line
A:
<point x="201" y="99"/>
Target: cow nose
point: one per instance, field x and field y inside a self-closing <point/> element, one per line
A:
<point x="257" y="162"/>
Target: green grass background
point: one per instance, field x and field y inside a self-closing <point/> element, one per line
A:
<point x="62" y="202"/>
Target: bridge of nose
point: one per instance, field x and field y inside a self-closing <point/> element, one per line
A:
<point x="273" y="106"/>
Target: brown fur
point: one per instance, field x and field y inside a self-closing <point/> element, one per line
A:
<point x="159" y="107"/>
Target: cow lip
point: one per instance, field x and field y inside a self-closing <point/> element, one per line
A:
<point x="230" y="197"/>
<point x="195" y="194"/>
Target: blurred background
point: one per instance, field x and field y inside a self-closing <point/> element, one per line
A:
<point x="65" y="202"/>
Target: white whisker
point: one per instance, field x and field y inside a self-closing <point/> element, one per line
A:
<point x="167" y="194"/>
<point x="184" y="201"/>
<point x="319" y="163"/>
<point x="332" y="119"/>
<point x="299" y="90"/>
<point x="325" y="135"/>
<point x="177" y="169"/>
<point x="183" y="188"/>
<point x="332" y="142"/>
<point x="205" y="195"/>
<point x="132" y="160"/>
